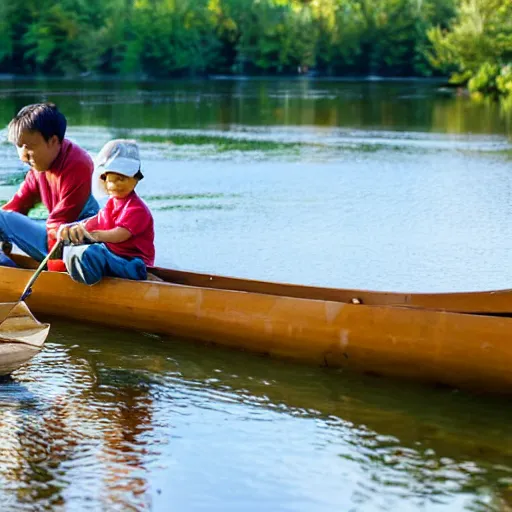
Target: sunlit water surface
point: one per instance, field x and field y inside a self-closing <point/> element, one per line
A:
<point x="401" y="186"/>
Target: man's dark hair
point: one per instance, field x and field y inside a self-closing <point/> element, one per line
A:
<point x="44" y="118"/>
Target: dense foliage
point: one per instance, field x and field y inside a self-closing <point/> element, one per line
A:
<point x="471" y="39"/>
<point x="477" y="48"/>
<point x="164" y="38"/>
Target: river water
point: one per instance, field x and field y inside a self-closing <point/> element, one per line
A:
<point x="384" y="185"/>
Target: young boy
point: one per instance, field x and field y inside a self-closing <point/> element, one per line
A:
<point x="59" y="176"/>
<point x="122" y="233"/>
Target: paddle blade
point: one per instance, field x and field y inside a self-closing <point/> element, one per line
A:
<point x="18" y="325"/>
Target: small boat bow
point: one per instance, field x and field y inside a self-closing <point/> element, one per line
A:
<point x="22" y="336"/>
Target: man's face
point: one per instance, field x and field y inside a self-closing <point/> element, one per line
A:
<point x="118" y="185"/>
<point x="37" y="152"/>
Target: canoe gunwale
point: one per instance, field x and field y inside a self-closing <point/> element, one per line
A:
<point x="487" y="302"/>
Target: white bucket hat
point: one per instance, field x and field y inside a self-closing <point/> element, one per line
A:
<point x="120" y="156"/>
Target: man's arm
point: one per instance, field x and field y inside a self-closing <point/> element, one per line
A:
<point x="26" y="197"/>
<point x="74" y="195"/>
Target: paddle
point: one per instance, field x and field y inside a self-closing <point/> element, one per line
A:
<point x="28" y="289"/>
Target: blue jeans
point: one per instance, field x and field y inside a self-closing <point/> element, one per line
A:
<point x="29" y="234"/>
<point x="89" y="263"/>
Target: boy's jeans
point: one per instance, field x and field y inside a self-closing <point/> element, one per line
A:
<point x="89" y="263"/>
<point x="29" y="234"/>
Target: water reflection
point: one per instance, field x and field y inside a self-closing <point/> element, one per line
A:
<point x="125" y="480"/>
<point x="36" y="445"/>
<point x="85" y="424"/>
<point x="406" y="105"/>
<point x="111" y="417"/>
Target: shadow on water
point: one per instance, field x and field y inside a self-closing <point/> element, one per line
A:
<point x="112" y="380"/>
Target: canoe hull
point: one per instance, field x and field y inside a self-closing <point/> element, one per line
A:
<point x="469" y="351"/>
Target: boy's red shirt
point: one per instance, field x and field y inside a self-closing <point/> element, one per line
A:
<point x="64" y="188"/>
<point x="131" y="213"/>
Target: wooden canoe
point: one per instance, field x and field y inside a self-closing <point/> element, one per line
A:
<point x="21" y="336"/>
<point x="465" y="350"/>
<point x="494" y="302"/>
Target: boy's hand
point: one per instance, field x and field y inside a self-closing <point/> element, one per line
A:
<point x="74" y="233"/>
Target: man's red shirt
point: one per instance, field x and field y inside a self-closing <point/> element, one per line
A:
<point x="64" y="188"/>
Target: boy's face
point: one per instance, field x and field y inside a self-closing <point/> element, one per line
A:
<point x="34" y="150"/>
<point x="118" y="185"/>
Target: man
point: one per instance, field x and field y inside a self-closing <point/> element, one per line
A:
<point x="60" y="177"/>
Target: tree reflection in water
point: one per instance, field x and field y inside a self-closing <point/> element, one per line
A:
<point x="96" y="422"/>
<point x="80" y="421"/>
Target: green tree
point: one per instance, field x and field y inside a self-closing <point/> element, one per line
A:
<point x="341" y="26"/>
<point x="395" y="34"/>
<point x="168" y="38"/>
<point x="477" y="47"/>
<point x="6" y="34"/>
<point x="59" y="37"/>
<point x="174" y="37"/>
